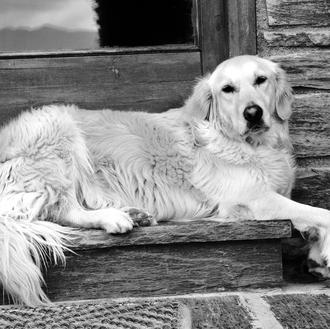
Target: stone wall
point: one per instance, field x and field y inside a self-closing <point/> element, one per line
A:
<point x="297" y="35"/>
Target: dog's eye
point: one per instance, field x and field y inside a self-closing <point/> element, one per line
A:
<point x="228" y="89"/>
<point x="260" y="80"/>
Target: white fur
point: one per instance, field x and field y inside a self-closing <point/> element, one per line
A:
<point x="25" y="248"/>
<point x="82" y="168"/>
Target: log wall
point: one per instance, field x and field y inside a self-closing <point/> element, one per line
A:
<point x="296" y="34"/>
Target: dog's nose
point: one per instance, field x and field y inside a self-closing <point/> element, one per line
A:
<point x="253" y="114"/>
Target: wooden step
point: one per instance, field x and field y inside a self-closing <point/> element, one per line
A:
<point x="170" y="259"/>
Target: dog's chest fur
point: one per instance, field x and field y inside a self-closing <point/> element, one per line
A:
<point x="232" y="171"/>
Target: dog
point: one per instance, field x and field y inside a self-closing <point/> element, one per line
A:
<point x="224" y="155"/>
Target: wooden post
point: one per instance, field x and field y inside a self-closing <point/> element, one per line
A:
<point x="213" y="33"/>
<point x="241" y="27"/>
<point x="226" y="28"/>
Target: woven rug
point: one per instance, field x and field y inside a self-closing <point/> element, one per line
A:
<point x="301" y="311"/>
<point x="126" y="315"/>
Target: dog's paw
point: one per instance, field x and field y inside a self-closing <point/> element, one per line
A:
<point x="138" y="216"/>
<point x="115" y="221"/>
<point x="321" y="271"/>
<point x="312" y="234"/>
<point x="319" y="254"/>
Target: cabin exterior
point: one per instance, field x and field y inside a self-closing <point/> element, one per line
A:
<point x="201" y="275"/>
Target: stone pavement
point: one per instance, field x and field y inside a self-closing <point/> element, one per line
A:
<point x="290" y="307"/>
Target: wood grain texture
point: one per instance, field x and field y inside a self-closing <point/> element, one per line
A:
<point x="242" y="27"/>
<point x="310" y="132"/>
<point x="297" y="38"/>
<point x="293" y="12"/>
<point x="313" y="187"/>
<point x="213" y="33"/>
<point x="227" y="28"/>
<point x="152" y="82"/>
<point x="103" y="51"/>
<point x="187" y="232"/>
<point x="307" y="69"/>
<point x="154" y="270"/>
<point x="310" y="125"/>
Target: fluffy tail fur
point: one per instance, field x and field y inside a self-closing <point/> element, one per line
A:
<point x="25" y="248"/>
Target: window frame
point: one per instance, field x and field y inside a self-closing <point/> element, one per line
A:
<point x="223" y="28"/>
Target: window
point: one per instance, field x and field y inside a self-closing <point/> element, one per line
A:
<point x="90" y="24"/>
<point x="125" y="55"/>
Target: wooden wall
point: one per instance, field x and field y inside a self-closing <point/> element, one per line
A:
<point x="296" y="34"/>
<point x="149" y="79"/>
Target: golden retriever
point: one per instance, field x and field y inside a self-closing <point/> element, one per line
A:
<point x="225" y="154"/>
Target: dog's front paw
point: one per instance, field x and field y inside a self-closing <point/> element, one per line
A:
<point x="311" y="234"/>
<point x="138" y="216"/>
<point x="319" y="254"/>
<point x="321" y="271"/>
<point x="115" y="221"/>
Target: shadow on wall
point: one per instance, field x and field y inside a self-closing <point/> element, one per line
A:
<point x="144" y="22"/>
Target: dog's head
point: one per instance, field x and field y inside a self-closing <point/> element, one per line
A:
<point x="243" y="97"/>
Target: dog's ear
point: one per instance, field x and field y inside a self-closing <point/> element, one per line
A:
<point x="283" y="94"/>
<point x="199" y="103"/>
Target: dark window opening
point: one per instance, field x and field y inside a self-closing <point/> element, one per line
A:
<point x="91" y="24"/>
<point x="144" y="22"/>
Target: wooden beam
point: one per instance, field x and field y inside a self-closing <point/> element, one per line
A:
<point x="313" y="187"/>
<point x="151" y="82"/>
<point x="213" y="33"/>
<point x="187" y="232"/>
<point x="309" y="125"/>
<point x="241" y="27"/>
<point x="170" y="269"/>
<point x="298" y="38"/>
<point x="227" y="28"/>
<point x="293" y="12"/>
<point x="307" y="69"/>
<point x="102" y="52"/>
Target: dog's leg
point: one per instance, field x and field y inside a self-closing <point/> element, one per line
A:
<point x="319" y="252"/>
<point x="304" y="218"/>
<point x="110" y="219"/>
<point x="272" y="205"/>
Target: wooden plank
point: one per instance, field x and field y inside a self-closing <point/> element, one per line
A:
<point x="154" y="270"/>
<point x="152" y="82"/>
<point x="297" y="38"/>
<point x="112" y="69"/>
<point x="227" y="28"/>
<point x="307" y="69"/>
<point x="242" y="27"/>
<point x="187" y="232"/>
<point x="150" y="97"/>
<point x="213" y="33"/>
<point x="309" y="125"/>
<point x="103" y="51"/>
<point x="313" y="187"/>
<point x="310" y="132"/>
<point x="293" y="12"/>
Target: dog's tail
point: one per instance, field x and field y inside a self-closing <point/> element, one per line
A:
<point x="25" y="248"/>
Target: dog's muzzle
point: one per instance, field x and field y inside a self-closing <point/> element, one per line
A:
<point x="253" y="115"/>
